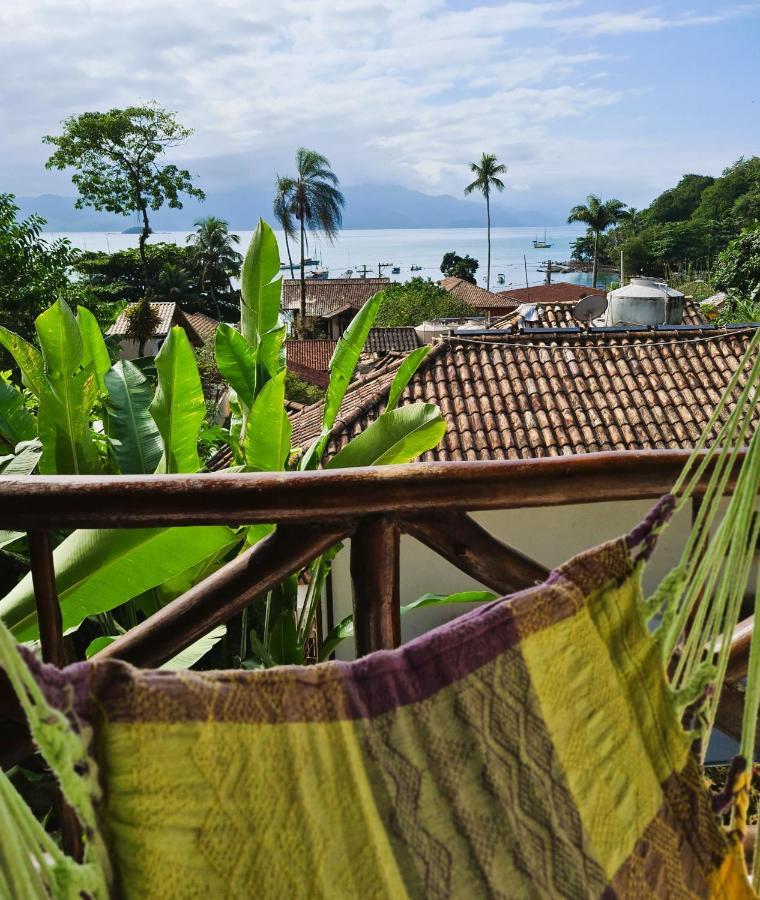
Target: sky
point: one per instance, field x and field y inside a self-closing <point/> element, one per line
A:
<point x="575" y="96"/>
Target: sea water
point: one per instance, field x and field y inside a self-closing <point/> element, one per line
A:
<point x="512" y="251"/>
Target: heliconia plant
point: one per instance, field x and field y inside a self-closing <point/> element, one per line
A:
<point x="93" y="417"/>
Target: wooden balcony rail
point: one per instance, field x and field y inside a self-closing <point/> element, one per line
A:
<point x="313" y="511"/>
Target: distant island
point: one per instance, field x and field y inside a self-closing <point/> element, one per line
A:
<point x="135" y="229"/>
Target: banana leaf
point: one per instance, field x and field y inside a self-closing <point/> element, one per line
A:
<point x="405" y="371"/>
<point x="260" y="286"/>
<point x="398" y="436"/>
<point x="28" y="359"/>
<point x="178" y="407"/>
<point x="16" y="422"/>
<point x="236" y="361"/>
<point x="267" y="437"/>
<point x="24" y="460"/>
<point x="98" y="570"/>
<point x="93" y="346"/>
<point x="134" y="435"/>
<point x="184" y="660"/>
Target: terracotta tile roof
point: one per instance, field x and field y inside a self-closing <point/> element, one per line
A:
<point x="312" y="354"/>
<point x="556" y="292"/>
<point x="400" y="339"/>
<point x="530" y="396"/>
<point x="166" y="312"/>
<point x="477" y="297"/>
<point x="203" y="325"/>
<point x="560" y="315"/>
<point x="332" y="295"/>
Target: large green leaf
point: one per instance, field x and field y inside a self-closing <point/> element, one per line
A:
<point x="236" y="361"/>
<point x="9" y="537"/>
<point x="93" y="346"/>
<point x="28" y="359"/>
<point x="197" y="650"/>
<point x="23" y="461"/>
<point x="267" y="438"/>
<point x="66" y="398"/>
<point x="342" y="367"/>
<point x="271" y="355"/>
<point x="345" y="628"/>
<point x="260" y="285"/>
<point x="398" y="436"/>
<point x="405" y="371"/>
<point x="16" y="422"/>
<point x="98" y="570"/>
<point x="134" y="435"/>
<point x="178" y="407"/>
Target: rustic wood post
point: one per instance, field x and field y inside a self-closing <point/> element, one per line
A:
<point x="46" y="597"/>
<point x="375" y="578"/>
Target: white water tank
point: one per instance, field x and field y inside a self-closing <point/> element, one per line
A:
<point x="645" y="301"/>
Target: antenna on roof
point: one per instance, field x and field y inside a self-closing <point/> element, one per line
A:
<point x="589" y="308"/>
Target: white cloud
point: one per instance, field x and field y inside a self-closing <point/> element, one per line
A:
<point x="400" y="90"/>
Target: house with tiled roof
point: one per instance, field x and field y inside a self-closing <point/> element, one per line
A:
<point x="483" y="302"/>
<point x="198" y="327"/>
<point x="560" y="315"/>
<point x="310" y="359"/>
<point x="331" y="303"/>
<point x="556" y="292"/>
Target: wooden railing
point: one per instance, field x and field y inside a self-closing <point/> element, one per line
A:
<point x="313" y="511"/>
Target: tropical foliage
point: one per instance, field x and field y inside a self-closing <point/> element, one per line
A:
<point x="416" y="301"/>
<point x="487" y="173"/>
<point x="312" y="199"/>
<point x="216" y="258"/>
<point x="737" y="272"/>
<point x="465" y="267"/>
<point x="117" y="157"/>
<point x="599" y="216"/>
<point x="32" y="270"/>
<point x="76" y="413"/>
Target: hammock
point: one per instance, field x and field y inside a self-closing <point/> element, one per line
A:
<point x="534" y="747"/>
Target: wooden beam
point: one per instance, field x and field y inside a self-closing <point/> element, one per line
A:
<point x="471" y="548"/>
<point x="217" y="598"/>
<point x="131" y="501"/>
<point x="46" y="597"/>
<point x="375" y="580"/>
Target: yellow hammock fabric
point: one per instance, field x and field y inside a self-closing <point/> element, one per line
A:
<point x="531" y="748"/>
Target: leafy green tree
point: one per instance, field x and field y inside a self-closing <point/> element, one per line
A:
<point x="313" y="199"/>
<point x="33" y="272"/>
<point x="174" y="282"/>
<point x="416" y="301"/>
<point x="735" y="196"/>
<point x="142" y="322"/>
<point x="214" y="248"/>
<point x="487" y="173"/>
<point x="281" y="213"/>
<point x="301" y="391"/>
<point x="455" y="266"/>
<point x="677" y="204"/>
<point x="117" y="156"/>
<point x="599" y="217"/>
<point x="737" y="272"/>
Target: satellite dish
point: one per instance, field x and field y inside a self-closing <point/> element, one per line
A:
<point x="589" y="308"/>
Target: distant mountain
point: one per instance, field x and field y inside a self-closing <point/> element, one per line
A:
<point x="367" y="206"/>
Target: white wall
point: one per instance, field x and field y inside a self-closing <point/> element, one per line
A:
<point x="549" y="535"/>
<point x="129" y="348"/>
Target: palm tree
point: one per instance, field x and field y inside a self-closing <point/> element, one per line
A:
<point x="283" y="215"/>
<point x="214" y="250"/>
<point x="598" y="216"/>
<point x="174" y="282"/>
<point x="487" y="173"/>
<point x="314" y="200"/>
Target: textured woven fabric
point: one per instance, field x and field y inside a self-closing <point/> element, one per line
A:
<point x="531" y="748"/>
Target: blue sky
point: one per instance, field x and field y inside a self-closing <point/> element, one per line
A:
<point x="574" y="95"/>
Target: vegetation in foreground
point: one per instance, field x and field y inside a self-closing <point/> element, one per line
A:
<point x="416" y="301"/>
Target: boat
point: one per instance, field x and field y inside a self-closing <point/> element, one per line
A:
<point x="309" y="261"/>
<point x="416" y="268"/>
<point x="396" y="270"/>
<point x="500" y="278"/>
<point x="319" y="274"/>
<point x="541" y="245"/>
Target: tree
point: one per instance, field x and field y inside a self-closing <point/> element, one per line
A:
<point x="281" y="213"/>
<point x="454" y="266"/>
<point x="33" y="272"/>
<point x="213" y="246"/>
<point x="116" y="155"/>
<point x="737" y="272"/>
<point x="313" y="199"/>
<point x="487" y="173"/>
<point x="143" y="320"/>
<point x="416" y="301"/>
<point x="174" y="282"/>
<point x="598" y="216"/>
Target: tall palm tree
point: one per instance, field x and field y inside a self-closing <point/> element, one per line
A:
<point x="214" y="248"/>
<point x="174" y="282"/>
<point x="598" y="216"/>
<point x="283" y="215"/>
<point x="487" y="173"/>
<point x="313" y="199"/>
